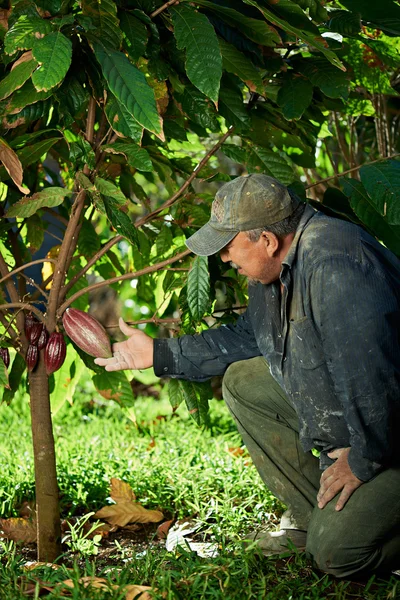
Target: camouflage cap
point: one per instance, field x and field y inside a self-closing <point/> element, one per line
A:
<point x="245" y="203"/>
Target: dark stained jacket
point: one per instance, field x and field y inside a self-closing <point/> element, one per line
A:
<point x="331" y="339"/>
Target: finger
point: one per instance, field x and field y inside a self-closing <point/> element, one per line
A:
<point x="336" y="453"/>
<point x="344" y="496"/>
<point x="126" y="330"/>
<point x="102" y="362"/>
<point x="329" y="494"/>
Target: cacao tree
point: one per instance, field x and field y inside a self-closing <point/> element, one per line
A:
<point x="120" y="118"/>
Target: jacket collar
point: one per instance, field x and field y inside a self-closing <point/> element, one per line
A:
<point x="289" y="259"/>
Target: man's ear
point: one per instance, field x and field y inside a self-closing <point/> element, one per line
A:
<point x="271" y="241"/>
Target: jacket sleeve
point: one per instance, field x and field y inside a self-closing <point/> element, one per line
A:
<point x="357" y="314"/>
<point x="199" y="357"/>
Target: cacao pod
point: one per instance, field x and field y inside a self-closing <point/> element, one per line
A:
<point x="55" y="351"/>
<point x="34" y="333"/>
<point x="30" y="320"/>
<point x="32" y="356"/>
<point x="87" y="333"/>
<point x="42" y="341"/>
<point x="5" y="355"/>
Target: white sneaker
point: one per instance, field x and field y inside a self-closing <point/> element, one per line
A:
<point x="278" y="542"/>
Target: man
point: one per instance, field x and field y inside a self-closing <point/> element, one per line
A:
<point x="313" y="364"/>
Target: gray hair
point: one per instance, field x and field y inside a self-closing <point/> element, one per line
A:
<point x="281" y="228"/>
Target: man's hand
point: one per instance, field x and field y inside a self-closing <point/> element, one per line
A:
<point x="337" y="477"/>
<point x="134" y="353"/>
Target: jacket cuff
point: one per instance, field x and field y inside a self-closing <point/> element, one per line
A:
<point x="363" y="468"/>
<point x="164" y="357"/>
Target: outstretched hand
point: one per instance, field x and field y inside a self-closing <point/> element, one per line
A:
<point x="134" y="353"/>
<point x="338" y="477"/>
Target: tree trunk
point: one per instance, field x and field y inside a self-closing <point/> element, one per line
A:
<point x="47" y="502"/>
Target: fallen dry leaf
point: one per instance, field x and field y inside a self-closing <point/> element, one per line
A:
<point x="121" y="491"/>
<point x="162" y="530"/>
<point x="236" y="451"/>
<point x="96" y="582"/>
<point x="133" y="591"/>
<point x="29" y="566"/>
<point x="128" y="512"/>
<point x="19" y="530"/>
<point x="28" y="510"/>
<point x="34" y="588"/>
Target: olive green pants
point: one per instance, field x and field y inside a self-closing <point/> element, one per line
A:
<point x="361" y="539"/>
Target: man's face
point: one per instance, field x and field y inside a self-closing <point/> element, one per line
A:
<point x="256" y="260"/>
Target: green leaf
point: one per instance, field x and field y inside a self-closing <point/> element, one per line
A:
<point x="194" y="32"/>
<point x="14" y="378"/>
<point x="314" y="41"/>
<point x="322" y="74"/>
<point x="27" y="94"/>
<point x="114" y="385"/>
<point x="16" y="78"/>
<point x="109" y="189"/>
<point x="89" y="240"/>
<point x="384" y="14"/>
<point x="382" y="182"/>
<point x="65" y="381"/>
<point x="120" y="220"/>
<point x="295" y="96"/>
<point x="196" y="396"/>
<point x="35" y="233"/>
<point x="198" y="108"/>
<point x="4" y="375"/>
<point x="136" y="35"/>
<point x="137" y="157"/>
<point x="49" y="197"/>
<point x="365" y="209"/>
<point x="130" y="87"/>
<point x="103" y="14"/>
<point x="198" y="287"/>
<point x="31" y="154"/>
<point x="344" y="22"/>
<point x="262" y="160"/>
<point x="175" y="394"/>
<point x="237" y="63"/>
<point x="256" y="30"/>
<point x="232" y="107"/>
<point x="235" y="153"/>
<point x="23" y="34"/>
<point x="54" y="54"/>
<point x="122" y="121"/>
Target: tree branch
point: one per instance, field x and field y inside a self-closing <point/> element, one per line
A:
<point x="30" y="264"/>
<point x="351" y="170"/>
<point x="23" y="306"/>
<point x="100" y="284"/>
<point x="141" y="321"/>
<point x="163" y="7"/>
<point x="8" y="327"/>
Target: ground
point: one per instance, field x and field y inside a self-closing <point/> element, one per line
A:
<point x="188" y="473"/>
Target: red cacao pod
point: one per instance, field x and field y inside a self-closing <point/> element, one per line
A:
<point x="42" y="341"/>
<point x="87" y="333"/>
<point x="54" y="354"/>
<point x="34" y="333"/>
<point x="32" y="356"/>
<point x="5" y="355"/>
<point x="30" y="320"/>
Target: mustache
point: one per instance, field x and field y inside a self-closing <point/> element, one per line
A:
<point x="234" y="265"/>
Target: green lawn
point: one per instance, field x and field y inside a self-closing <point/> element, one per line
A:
<point x="172" y="466"/>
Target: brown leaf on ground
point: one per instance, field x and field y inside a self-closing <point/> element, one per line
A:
<point x="35" y="588"/>
<point x="162" y="530"/>
<point x="236" y="451"/>
<point x="28" y="510"/>
<point x="121" y="491"/>
<point x="133" y="591"/>
<point x="30" y="566"/>
<point x="128" y="512"/>
<point x="96" y="582"/>
<point x="18" y="530"/>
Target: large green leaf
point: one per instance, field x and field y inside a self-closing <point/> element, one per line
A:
<point x="18" y="368"/>
<point x="194" y="32"/>
<point x="114" y="385"/>
<point x="263" y="160"/>
<point x="294" y="96"/>
<point x="23" y="34"/>
<point x="384" y="14"/>
<point x="136" y="35"/>
<point x="122" y="121"/>
<point x="196" y="396"/>
<point x="89" y="240"/>
<point x="198" y="287"/>
<point x="232" y="107"/>
<point x="137" y="157"/>
<point x="130" y="87"/>
<point x="103" y="15"/>
<point x="120" y="220"/>
<point x="236" y="62"/>
<point x="365" y="209"/>
<point x="315" y="41"/>
<point x="34" y="233"/>
<point x="54" y="54"/>
<point x="22" y="97"/>
<point x="175" y="393"/>
<point x="198" y="108"/>
<point x="255" y="29"/>
<point x="65" y="381"/>
<point x="49" y="197"/>
<point x="382" y="182"/>
<point x="16" y="78"/>
<point x="322" y="74"/>
<point x="107" y="188"/>
<point x="344" y="22"/>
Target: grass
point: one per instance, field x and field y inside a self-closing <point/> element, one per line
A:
<point x="173" y="466"/>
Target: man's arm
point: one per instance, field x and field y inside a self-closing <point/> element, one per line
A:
<point x="192" y="357"/>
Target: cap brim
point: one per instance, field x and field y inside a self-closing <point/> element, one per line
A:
<point x="208" y="240"/>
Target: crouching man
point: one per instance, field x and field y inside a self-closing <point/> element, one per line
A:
<point x="313" y="363"/>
